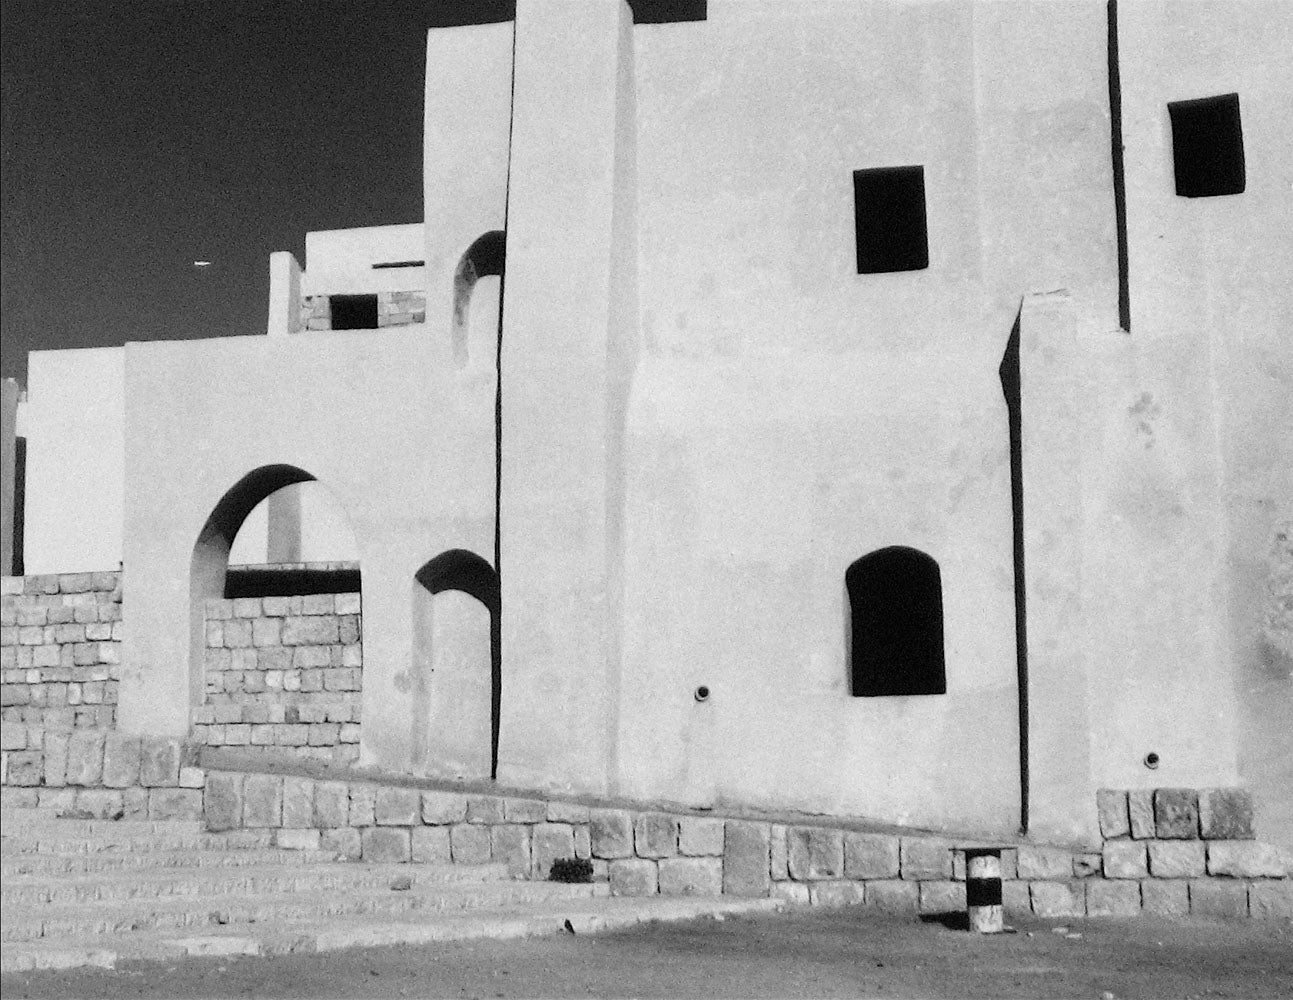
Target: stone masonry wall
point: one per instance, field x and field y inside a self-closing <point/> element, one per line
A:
<point x="284" y="672"/>
<point x="649" y="852"/>
<point x="393" y="309"/>
<point x="60" y="644"/>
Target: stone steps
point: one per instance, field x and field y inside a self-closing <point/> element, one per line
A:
<point x="28" y="890"/>
<point x="579" y="915"/>
<point x="16" y="822"/>
<point x="55" y="841"/>
<point x="104" y="861"/>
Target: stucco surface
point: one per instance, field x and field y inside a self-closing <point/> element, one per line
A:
<point x="340" y="261"/>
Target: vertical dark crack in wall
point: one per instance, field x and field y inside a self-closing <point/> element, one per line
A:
<point x="1010" y="387"/>
<point x="1119" y="175"/>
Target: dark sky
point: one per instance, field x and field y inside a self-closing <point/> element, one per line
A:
<point x="140" y="136"/>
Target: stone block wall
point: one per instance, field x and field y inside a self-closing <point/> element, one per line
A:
<point x="100" y="774"/>
<point x="284" y="672"/>
<point x="393" y="309"/>
<point x="649" y="852"/>
<point x="60" y="644"/>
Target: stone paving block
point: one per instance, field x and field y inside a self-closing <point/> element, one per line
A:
<point x="159" y="762"/>
<point x="1125" y="859"/>
<point x="1271" y="899"/>
<point x="431" y="845"/>
<point x="331" y="804"/>
<point x="871" y="856"/>
<point x="1140" y="813"/>
<point x="700" y="836"/>
<point x="441" y="809"/>
<point x="795" y="893"/>
<point x="836" y="893"/>
<point x="398" y="807"/>
<point x="691" y="876"/>
<point x="1112" y="898"/>
<point x="567" y="812"/>
<point x="1058" y="899"/>
<point x="297" y="839"/>
<point x="345" y="842"/>
<point x="363" y="802"/>
<point x="510" y="844"/>
<point x="298" y="802"/>
<point x="551" y="842"/>
<point x="469" y="843"/>
<point x="1226" y="814"/>
<point x="1176" y="813"/>
<point x="942" y="896"/>
<point x="1245" y="859"/>
<point x="1043" y="863"/>
<point x="1176" y="858"/>
<point x="746" y="858"/>
<point x="1111" y="806"/>
<point x="101" y="803"/>
<point x="655" y="835"/>
<point x="174" y="803"/>
<point x="190" y="777"/>
<point x="816" y="853"/>
<point x="525" y="810"/>
<point x="634" y="877"/>
<point x="778" y="853"/>
<point x="385" y="845"/>
<point x="1165" y="897"/>
<point x="923" y="858"/>
<point x="262" y="801"/>
<point x="484" y="809"/>
<point x="1015" y="897"/>
<point x="1214" y="897"/>
<point x="56" y="749"/>
<point x="85" y="758"/>
<point x="612" y="833"/>
<point x="893" y="895"/>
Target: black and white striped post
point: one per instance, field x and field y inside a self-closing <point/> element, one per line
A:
<point x="983" y="889"/>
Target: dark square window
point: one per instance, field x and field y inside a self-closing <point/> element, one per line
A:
<point x="889" y="214"/>
<point x="1207" y="146"/>
<point x="353" y="312"/>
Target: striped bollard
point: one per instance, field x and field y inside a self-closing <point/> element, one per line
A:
<point x="983" y="889"/>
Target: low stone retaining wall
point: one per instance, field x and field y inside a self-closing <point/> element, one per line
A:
<point x="284" y="672"/>
<point x="648" y="852"/>
<point x="60" y="650"/>
<point x="101" y="774"/>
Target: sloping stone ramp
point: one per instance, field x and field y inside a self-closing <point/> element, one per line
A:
<point x="90" y="892"/>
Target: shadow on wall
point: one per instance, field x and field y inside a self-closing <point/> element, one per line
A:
<point x="484" y="258"/>
<point x="457" y="657"/>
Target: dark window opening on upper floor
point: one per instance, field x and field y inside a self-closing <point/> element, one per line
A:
<point x="353" y="312"/>
<point x="1208" y="146"/>
<point x="889" y="218"/>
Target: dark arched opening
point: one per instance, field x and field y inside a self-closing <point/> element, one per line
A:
<point x="467" y="573"/>
<point x="896" y="607"/>
<point x="484" y="258"/>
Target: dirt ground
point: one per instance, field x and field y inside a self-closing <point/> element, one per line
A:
<point x="840" y="953"/>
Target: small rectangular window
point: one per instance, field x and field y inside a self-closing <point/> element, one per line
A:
<point x="353" y="312"/>
<point x="1207" y="146"/>
<point x="889" y="216"/>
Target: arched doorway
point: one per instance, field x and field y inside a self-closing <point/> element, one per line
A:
<point x="895" y="598"/>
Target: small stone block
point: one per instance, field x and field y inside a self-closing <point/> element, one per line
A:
<point x="190" y="777"/>
<point x="385" y="845"/>
<point x="159" y="762"/>
<point x="778" y="853"/>
<point x="634" y="877"/>
<point x="222" y="801"/>
<point x="298" y="803"/>
<point x="101" y="803"/>
<point x="700" y="836"/>
<point x="121" y="760"/>
<point x="1112" y="898"/>
<point x="174" y="803"/>
<point x="1165" y="897"/>
<point x="794" y="893"/>
<point x="836" y="893"/>
<point x="1088" y="865"/>
<point x="655" y="835"/>
<point x="1245" y="859"/>
<point x="345" y="842"/>
<point x="55" y="749"/>
<point x="1015" y="897"/>
<point x="612" y="833"/>
<point x="893" y="895"/>
<point x="363" y="802"/>
<point x="1214" y="897"/>
<point x="567" y="812"/>
<point x="871" y="856"/>
<point x="331" y="804"/>
<point x="1125" y="859"/>
<point x="298" y="840"/>
<point x="398" y="807"/>
<point x="1112" y="808"/>
<point x="262" y="801"/>
<point x="1226" y="814"/>
<point x="85" y="758"/>
<point x="925" y="859"/>
<point x="1176" y="814"/>
<point x="484" y="809"/>
<point x="1140" y="813"/>
<point x="691" y="877"/>
<point x="1036" y="863"/>
<point x="1176" y="858"/>
<point x="469" y="843"/>
<point x="1058" y="899"/>
<point x="525" y="810"/>
<point x="940" y="896"/>
<point x="746" y="856"/>
<point x="1271" y="900"/>
<point x="443" y="808"/>
<point x="815" y="853"/>
<point x="551" y="842"/>
<point x="510" y="845"/>
<point x="431" y="845"/>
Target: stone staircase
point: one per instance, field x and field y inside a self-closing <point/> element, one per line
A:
<point x="90" y="892"/>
